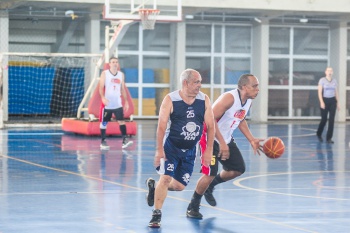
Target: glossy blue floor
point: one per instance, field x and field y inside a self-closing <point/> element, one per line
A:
<point x="51" y="181"/>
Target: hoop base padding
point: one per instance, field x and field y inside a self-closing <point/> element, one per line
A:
<point x="92" y="128"/>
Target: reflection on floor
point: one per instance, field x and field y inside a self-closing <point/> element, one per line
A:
<point x="56" y="182"/>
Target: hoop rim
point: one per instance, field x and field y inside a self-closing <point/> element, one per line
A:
<point x="148" y="10"/>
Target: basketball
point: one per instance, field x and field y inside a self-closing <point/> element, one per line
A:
<point x="273" y="147"/>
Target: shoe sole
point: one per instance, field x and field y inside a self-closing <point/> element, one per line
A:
<point x="212" y="203"/>
<point x="154" y="225"/>
<point x="192" y="216"/>
<point x="127" y="145"/>
<point x="151" y="188"/>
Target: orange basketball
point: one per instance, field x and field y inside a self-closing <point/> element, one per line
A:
<point x="273" y="147"/>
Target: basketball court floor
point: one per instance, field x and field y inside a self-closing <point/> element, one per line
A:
<point x="51" y="181"/>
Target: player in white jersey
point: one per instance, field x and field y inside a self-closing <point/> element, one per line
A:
<point x="112" y="88"/>
<point x="230" y="110"/>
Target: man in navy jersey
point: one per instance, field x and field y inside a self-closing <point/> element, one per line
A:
<point x="112" y="87"/>
<point x="230" y="110"/>
<point x="180" y="126"/>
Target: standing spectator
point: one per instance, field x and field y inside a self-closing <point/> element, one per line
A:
<point x="328" y="97"/>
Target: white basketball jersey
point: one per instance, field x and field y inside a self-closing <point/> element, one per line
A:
<point x="113" y="87"/>
<point x="233" y="116"/>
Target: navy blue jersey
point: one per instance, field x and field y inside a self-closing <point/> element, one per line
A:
<point x="186" y="121"/>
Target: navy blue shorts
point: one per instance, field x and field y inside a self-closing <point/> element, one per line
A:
<point x="179" y="162"/>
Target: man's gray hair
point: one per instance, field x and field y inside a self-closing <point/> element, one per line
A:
<point x="188" y="74"/>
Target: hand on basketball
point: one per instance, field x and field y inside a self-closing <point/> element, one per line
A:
<point x="256" y="145"/>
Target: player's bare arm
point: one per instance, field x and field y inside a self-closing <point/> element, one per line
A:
<point x="254" y="142"/>
<point x="209" y="121"/>
<point x="164" y="114"/>
<point x="101" y="88"/>
<point x="123" y="89"/>
<point x="225" y="102"/>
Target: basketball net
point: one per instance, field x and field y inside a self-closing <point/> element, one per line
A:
<point x="148" y="18"/>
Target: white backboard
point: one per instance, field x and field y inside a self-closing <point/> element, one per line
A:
<point x="170" y="10"/>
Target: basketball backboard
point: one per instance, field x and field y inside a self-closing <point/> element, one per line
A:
<point x="170" y="10"/>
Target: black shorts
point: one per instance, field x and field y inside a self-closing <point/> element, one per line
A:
<point x="107" y="114"/>
<point x="234" y="163"/>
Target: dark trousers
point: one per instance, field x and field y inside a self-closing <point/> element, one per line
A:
<point x="330" y="107"/>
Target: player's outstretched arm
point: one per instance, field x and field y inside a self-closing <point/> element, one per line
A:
<point x="254" y="142"/>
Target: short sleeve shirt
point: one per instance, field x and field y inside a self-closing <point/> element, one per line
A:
<point x="329" y="87"/>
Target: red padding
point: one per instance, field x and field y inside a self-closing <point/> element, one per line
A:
<point x="93" y="128"/>
<point x="95" y="104"/>
<point x="95" y="101"/>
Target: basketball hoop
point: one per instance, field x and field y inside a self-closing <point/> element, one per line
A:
<point x="148" y="18"/>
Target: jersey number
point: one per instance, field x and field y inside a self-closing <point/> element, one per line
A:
<point x="190" y="114"/>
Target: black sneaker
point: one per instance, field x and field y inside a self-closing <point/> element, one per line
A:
<point x="320" y="139"/>
<point x="193" y="211"/>
<point x="330" y="141"/>
<point x="126" y="143"/>
<point x="156" y="218"/>
<point x="151" y="184"/>
<point x="209" y="196"/>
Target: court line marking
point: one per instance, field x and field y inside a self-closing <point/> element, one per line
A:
<point x="29" y="134"/>
<point x="238" y="184"/>
<point x="247" y="215"/>
<point x="169" y="196"/>
<point x="69" y="172"/>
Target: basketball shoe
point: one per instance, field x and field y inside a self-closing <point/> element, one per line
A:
<point x="156" y="218"/>
<point x="209" y="196"/>
<point x="126" y="143"/>
<point x="151" y="184"/>
<point x="104" y="145"/>
<point x="193" y="210"/>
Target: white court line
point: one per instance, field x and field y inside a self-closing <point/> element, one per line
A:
<point x="169" y="196"/>
<point x="238" y="183"/>
<point x="25" y="134"/>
